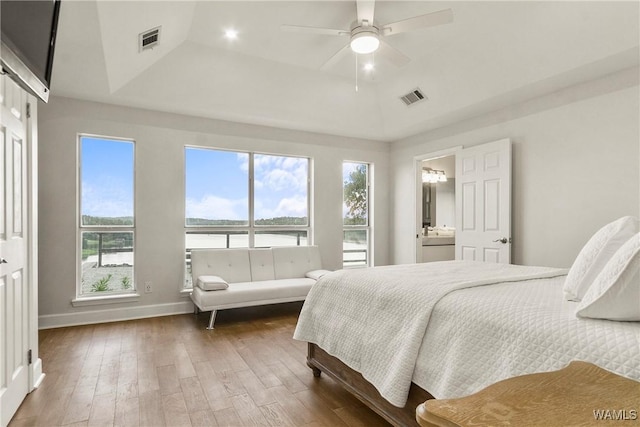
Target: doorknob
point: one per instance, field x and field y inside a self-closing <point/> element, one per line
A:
<point x="504" y="240"/>
<point x="3" y="261"/>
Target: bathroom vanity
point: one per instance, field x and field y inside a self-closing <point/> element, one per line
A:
<point x="438" y="248"/>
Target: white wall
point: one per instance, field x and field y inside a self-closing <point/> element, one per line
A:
<point x="575" y="167"/>
<point x="160" y="140"/>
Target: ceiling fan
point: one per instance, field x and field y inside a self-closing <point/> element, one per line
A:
<point x="366" y="35"/>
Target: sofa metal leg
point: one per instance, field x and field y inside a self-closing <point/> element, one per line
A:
<point x="196" y="310"/>
<point x="212" y="319"/>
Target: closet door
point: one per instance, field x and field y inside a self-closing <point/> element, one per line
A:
<point x="14" y="250"/>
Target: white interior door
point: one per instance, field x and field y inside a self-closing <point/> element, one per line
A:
<point x="14" y="289"/>
<point x="483" y="202"/>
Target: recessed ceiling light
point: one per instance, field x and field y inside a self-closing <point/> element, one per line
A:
<point x="231" y="34"/>
<point x="368" y="66"/>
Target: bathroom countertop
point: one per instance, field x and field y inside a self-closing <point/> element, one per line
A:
<point x="438" y="240"/>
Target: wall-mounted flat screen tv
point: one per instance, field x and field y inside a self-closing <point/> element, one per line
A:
<point x="28" y="34"/>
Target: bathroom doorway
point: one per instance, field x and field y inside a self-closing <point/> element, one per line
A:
<point x="481" y="227"/>
<point x="435" y="204"/>
<point x="438" y="209"/>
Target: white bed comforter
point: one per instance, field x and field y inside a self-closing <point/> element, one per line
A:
<point x="479" y="336"/>
<point x="374" y="320"/>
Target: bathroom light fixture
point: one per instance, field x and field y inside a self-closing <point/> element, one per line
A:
<point x="433" y="176"/>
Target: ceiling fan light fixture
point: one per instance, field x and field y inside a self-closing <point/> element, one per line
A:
<point x="365" y="42"/>
<point x="231" y="34"/>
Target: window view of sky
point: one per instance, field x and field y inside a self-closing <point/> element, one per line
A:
<point x="217" y="185"/>
<point x="107" y="177"/>
<point x="280" y="186"/>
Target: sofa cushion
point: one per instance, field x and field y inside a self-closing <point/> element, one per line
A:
<point x="261" y="261"/>
<point x="211" y="283"/>
<point x="316" y="274"/>
<point x="295" y="261"/>
<point x="230" y="264"/>
<point x="250" y="293"/>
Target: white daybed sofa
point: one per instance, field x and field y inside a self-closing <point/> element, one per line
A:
<point x="253" y="276"/>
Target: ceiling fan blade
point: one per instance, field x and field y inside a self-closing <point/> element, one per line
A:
<point x="335" y="58"/>
<point x="365" y="10"/>
<point x="393" y="55"/>
<point x="313" y="30"/>
<point x="423" y="21"/>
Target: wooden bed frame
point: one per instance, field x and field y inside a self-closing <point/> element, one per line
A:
<point x="321" y="361"/>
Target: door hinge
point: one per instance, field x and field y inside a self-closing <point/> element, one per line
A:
<point x="29" y="360"/>
<point x="28" y="110"/>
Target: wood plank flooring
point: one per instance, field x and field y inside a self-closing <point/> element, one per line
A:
<point x="170" y="371"/>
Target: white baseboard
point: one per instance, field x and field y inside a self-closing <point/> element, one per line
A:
<point x="36" y="374"/>
<point x="113" y="315"/>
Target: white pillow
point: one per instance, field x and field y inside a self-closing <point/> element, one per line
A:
<point x="615" y="294"/>
<point x="212" y="283"/>
<point x="595" y="255"/>
<point x="316" y="274"/>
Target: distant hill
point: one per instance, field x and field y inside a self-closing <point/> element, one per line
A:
<point x="101" y="220"/>
<point x="128" y="220"/>
<point x="283" y="220"/>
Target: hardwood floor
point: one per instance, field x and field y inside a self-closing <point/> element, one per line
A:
<point x="170" y="371"/>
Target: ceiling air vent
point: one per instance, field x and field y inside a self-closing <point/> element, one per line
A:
<point x="149" y="39"/>
<point x="413" y="97"/>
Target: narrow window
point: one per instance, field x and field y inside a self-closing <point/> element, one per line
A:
<point x="356" y="218"/>
<point x="106" y="223"/>
<point x="244" y="200"/>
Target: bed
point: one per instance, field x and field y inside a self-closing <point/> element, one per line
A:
<point x="395" y="336"/>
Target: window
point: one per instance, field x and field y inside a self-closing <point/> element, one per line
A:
<point x="356" y="218"/>
<point x="242" y="200"/>
<point x="106" y="223"/>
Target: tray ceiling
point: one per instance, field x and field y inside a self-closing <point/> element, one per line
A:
<point x="493" y="54"/>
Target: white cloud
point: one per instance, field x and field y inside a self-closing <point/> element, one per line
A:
<point x="347" y="168"/>
<point x="243" y="159"/>
<point x="213" y="207"/>
<point x="290" y="206"/>
<point x="107" y="200"/>
<point x="294" y="206"/>
<point x="277" y="173"/>
<point x="281" y="173"/>
<point x="278" y="180"/>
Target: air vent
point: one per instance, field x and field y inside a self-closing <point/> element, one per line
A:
<point x="149" y="39"/>
<point x="413" y="97"/>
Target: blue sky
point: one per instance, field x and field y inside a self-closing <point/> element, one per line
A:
<point x="217" y="185"/>
<point x="107" y="177"/>
<point x="216" y="182"/>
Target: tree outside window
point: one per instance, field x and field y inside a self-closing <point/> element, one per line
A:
<point x="356" y="233"/>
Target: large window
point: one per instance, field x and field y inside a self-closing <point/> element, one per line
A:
<point x="356" y="218"/>
<point x="106" y="223"/>
<point x="241" y="200"/>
